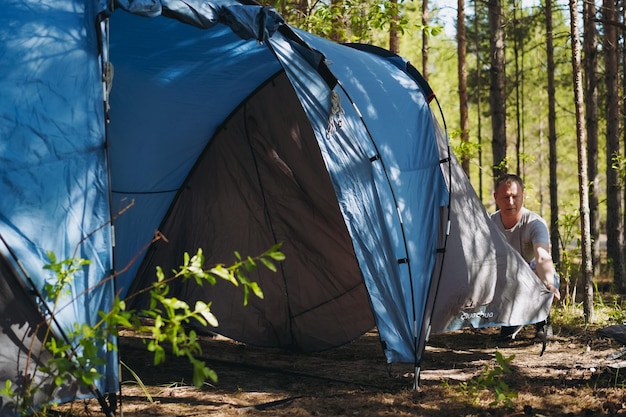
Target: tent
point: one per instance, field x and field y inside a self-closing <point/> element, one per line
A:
<point x="225" y="129"/>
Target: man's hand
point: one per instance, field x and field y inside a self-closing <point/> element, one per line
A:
<point x="545" y="269"/>
<point x="554" y="290"/>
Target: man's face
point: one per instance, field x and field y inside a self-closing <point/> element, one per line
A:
<point x="509" y="198"/>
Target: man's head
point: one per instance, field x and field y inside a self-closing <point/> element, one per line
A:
<point x="509" y="179"/>
<point x="509" y="196"/>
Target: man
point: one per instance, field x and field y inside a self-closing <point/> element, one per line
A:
<point x="528" y="233"/>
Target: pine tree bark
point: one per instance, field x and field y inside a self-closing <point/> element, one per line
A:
<point x="622" y="47"/>
<point x="614" y="232"/>
<point x="581" y="142"/>
<point x="552" y="138"/>
<point x="519" y="137"/>
<point x="338" y="25"/>
<point x="425" y="21"/>
<point x="394" y="37"/>
<point x="497" y="94"/>
<point x="590" y="63"/>
<point x="462" y="72"/>
<point x="479" y="90"/>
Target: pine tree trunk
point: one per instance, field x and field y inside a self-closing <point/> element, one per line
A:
<point x="590" y="60"/>
<point x="552" y="138"/>
<point x="478" y="100"/>
<point x="519" y="150"/>
<point x="497" y="94"/>
<point x="622" y="47"/>
<point x="581" y="142"/>
<point x="338" y="26"/>
<point x="614" y="230"/>
<point x="425" y="39"/>
<point x="394" y="38"/>
<point x="462" y="70"/>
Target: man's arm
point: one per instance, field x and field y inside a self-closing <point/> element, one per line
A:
<point x="545" y="268"/>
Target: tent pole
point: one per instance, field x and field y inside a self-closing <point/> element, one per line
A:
<point x="416" y="379"/>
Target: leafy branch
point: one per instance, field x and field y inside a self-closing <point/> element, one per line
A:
<point x="78" y="355"/>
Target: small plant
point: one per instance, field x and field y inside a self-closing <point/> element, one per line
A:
<point x="569" y="265"/>
<point x="77" y="356"/>
<point x="491" y="380"/>
<point x="616" y="314"/>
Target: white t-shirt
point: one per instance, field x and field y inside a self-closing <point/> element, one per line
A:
<point x="530" y="230"/>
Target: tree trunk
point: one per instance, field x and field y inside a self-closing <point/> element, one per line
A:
<point x="581" y="139"/>
<point x="425" y="39"/>
<point x="462" y="70"/>
<point x="613" y="192"/>
<point x="338" y="25"/>
<point x="497" y="95"/>
<point x="302" y="6"/>
<point x="552" y="138"/>
<point x="394" y="37"/>
<point x="590" y="61"/>
<point x="478" y="101"/>
<point x="623" y="118"/>
<point x="518" y="125"/>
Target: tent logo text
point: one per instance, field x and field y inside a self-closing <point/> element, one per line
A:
<point x="483" y="314"/>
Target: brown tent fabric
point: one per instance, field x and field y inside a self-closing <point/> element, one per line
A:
<point x="275" y="188"/>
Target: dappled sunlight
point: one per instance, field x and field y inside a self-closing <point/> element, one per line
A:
<point x="223" y="141"/>
<point x="571" y="377"/>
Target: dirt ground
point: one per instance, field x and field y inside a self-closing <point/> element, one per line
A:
<point x="572" y="378"/>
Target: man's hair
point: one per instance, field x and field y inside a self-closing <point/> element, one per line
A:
<point x="508" y="179"/>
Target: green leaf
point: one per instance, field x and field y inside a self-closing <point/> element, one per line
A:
<point x="268" y="264"/>
<point x="204" y="310"/>
<point x="159" y="355"/>
<point x="277" y="256"/>
<point x="7" y="390"/>
<point x="224" y="273"/>
<point x="175" y="303"/>
<point x="256" y="289"/>
<point x="159" y="274"/>
<point x="52" y="257"/>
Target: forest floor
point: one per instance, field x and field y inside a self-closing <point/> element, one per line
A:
<point x="574" y="377"/>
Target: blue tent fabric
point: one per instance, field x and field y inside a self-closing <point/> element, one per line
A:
<point x="220" y="127"/>
<point x="248" y="21"/>
<point x="169" y="107"/>
<point x="403" y="184"/>
<point x="358" y="203"/>
<point x="53" y="154"/>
